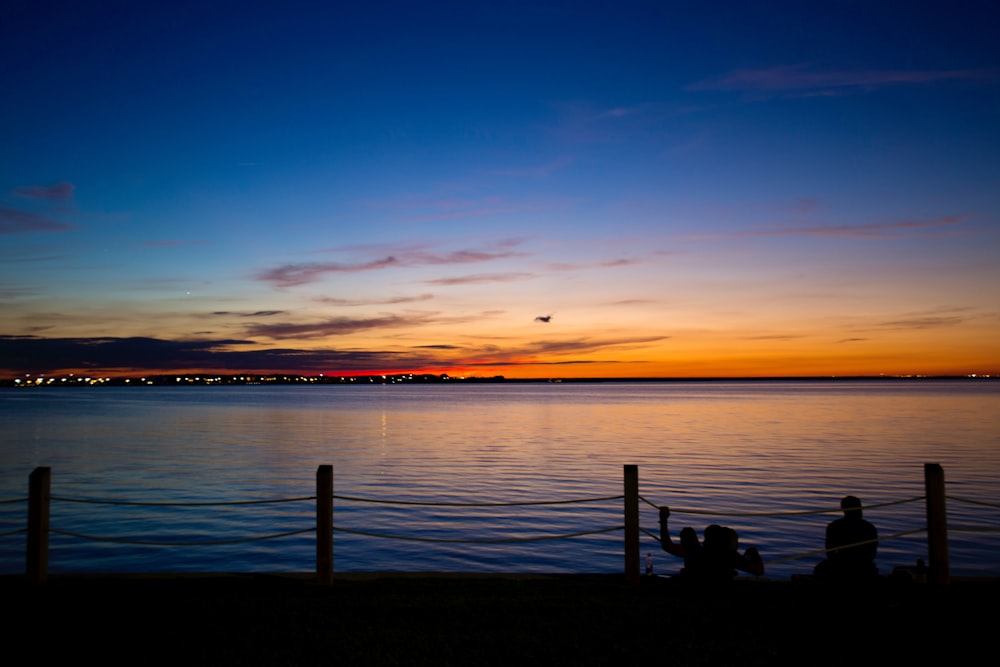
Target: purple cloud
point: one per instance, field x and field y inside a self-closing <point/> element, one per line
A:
<point x="375" y="302"/>
<point x="259" y="313"/>
<point x="609" y="264"/>
<point x="338" y="326"/>
<point x="877" y="230"/>
<point x="481" y="278"/>
<point x="13" y="221"/>
<point x="787" y="78"/>
<point x="291" y="275"/>
<point x="457" y="257"/>
<point x="57" y="192"/>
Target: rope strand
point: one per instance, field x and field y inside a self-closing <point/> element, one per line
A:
<point x="150" y="543"/>
<point x="470" y="504"/>
<point x="506" y="540"/>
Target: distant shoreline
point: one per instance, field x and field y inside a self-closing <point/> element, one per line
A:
<point x="248" y="379"/>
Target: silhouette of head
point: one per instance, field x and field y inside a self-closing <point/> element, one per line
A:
<point x="716" y="537"/>
<point x="851" y="506"/>
<point x="689" y="538"/>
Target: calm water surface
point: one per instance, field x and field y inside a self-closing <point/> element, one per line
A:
<point x="732" y="447"/>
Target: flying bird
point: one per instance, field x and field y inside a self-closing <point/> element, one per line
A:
<point x="543" y="318"/>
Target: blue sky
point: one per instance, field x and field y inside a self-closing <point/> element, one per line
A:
<point x="729" y="189"/>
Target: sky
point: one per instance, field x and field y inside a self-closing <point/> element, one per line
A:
<point x="527" y="189"/>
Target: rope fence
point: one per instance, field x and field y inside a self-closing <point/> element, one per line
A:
<point x="501" y="540"/>
<point x="135" y="503"/>
<point x="39" y="499"/>
<point x="151" y="543"/>
<point x="981" y="503"/>
<point x="680" y="510"/>
<point x="453" y="504"/>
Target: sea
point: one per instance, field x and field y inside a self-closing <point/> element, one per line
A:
<point x="493" y="477"/>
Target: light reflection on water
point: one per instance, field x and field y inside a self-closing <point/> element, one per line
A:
<point x="725" y="447"/>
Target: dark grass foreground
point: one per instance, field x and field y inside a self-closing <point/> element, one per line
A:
<point x="391" y="619"/>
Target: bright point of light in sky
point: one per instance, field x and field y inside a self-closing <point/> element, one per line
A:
<point x="722" y="190"/>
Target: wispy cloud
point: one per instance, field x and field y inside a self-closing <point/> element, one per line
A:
<point x="13" y="221"/>
<point x="458" y="257"/>
<point x="801" y="78"/>
<point x="935" y="318"/>
<point x="609" y="264"/>
<point x="927" y="322"/>
<point x="14" y="293"/>
<point x="481" y="278"/>
<point x="536" y="351"/>
<point x="539" y="171"/>
<point x="332" y="301"/>
<point x="290" y="275"/>
<point x="257" y="313"/>
<point x="337" y="326"/>
<point x="773" y="337"/>
<point x="55" y="192"/>
<point x="586" y="123"/>
<point x="877" y="230"/>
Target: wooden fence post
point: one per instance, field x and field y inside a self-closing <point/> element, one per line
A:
<point x="937" y="524"/>
<point x="632" y="524"/>
<point x="324" y="524"/>
<point x="37" y="555"/>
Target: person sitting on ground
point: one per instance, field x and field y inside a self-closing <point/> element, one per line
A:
<point x="717" y="559"/>
<point x="851" y="544"/>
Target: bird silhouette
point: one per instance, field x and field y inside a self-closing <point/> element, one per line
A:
<point x="543" y="318"/>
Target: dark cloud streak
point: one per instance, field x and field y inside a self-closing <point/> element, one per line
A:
<point x="13" y="221"/>
<point x="140" y="355"/>
<point x="291" y="275"/>
<point x="23" y="354"/>
<point x="788" y="78"/>
<point x="374" y="302"/>
<point x="259" y="313"/>
<point x="480" y="278"/>
<point x="57" y="192"/>
<point x="338" y="326"/>
<point x="880" y="230"/>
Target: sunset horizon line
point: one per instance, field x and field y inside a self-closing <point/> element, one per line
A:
<point x="204" y="378"/>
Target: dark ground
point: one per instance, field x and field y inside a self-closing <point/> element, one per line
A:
<point x="389" y="619"/>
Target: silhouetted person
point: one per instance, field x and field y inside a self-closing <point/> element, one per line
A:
<point x="717" y="559"/>
<point x="844" y="561"/>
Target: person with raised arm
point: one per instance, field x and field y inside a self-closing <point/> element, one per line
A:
<point x="717" y="559"/>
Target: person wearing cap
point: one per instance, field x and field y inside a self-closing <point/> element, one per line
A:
<point x="851" y="545"/>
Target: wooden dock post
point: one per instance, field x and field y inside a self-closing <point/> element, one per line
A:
<point x="324" y="524"/>
<point x="36" y="567"/>
<point x="632" y="524"/>
<point x="937" y="525"/>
